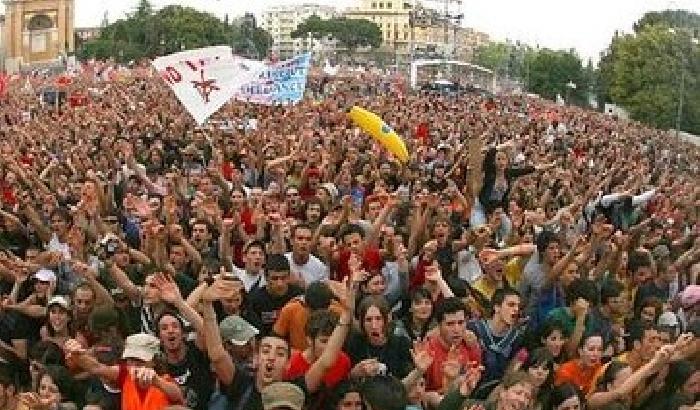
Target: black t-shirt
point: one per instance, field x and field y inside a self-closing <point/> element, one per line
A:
<point x="194" y="377"/>
<point x="243" y="394"/>
<point x="267" y="307"/>
<point x="395" y="353"/>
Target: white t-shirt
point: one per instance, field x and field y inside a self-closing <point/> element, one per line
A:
<point x="249" y="280"/>
<point x="313" y="270"/>
<point x="468" y="267"/>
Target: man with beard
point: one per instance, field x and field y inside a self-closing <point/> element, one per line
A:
<point x="302" y="263"/>
<point x="243" y="389"/>
<point x="450" y="342"/>
<point x="500" y="338"/>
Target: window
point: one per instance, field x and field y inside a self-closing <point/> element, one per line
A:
<point x="406" y="6"/>
<point x="381" y="5"/>
<point x="405" y="36"/>
<point x="388" y="5"/>
<point x="374" y="5"/>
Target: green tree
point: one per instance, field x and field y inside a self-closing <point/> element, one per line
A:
<point x="350" y="33"/>
<point x="494" y="56"/>
<point x="643" y="71"/>
<point x="551" y="70"/>
<point x="668" y="18"/>
<point x="145" y="33"/>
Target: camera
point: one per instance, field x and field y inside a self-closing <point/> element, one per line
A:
<point x="109" y="245"/>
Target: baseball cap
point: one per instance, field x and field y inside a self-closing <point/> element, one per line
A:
<point x="141" y="346"/>
<point x="236" y="330"/>
<point x="668" y="319"/>
<point x="61" y="301"/>
<point x="690" y="296"/>
<point x="282" y="395"/>
<point x="661" y="251"/>
<point x="45" y="275"/>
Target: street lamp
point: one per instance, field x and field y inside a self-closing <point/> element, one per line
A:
<point x="569" y="86"/>
<point x="681" y="91"/>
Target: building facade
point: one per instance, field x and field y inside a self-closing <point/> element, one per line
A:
<point x="393" y="19"/>
<point x="281" y="21"/>
<point x="410" y="27"/>
<point x="37" y="32"/>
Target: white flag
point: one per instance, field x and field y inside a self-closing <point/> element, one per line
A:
<point x="205" y="79"/>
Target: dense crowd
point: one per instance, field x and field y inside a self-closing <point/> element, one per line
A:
<point x="528" y="256"/>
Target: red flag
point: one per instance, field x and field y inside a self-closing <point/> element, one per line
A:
<point x="4" y="83"/>
<point x="64" y="81"/>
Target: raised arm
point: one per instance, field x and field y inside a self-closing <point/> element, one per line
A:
<point x="314" y="376"/>
<point x="170" y="293"/>
<point x="600" y="399"/>
<point x="220" y="359"/>
<point x="123" y="281"/>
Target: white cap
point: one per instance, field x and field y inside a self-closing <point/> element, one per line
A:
<point x="668" y="319"/>
<point x="45" y="275"/>
<point x="59" y="300"/>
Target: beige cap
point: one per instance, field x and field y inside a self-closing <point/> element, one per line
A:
<point x="141" y="346"/>
<point x="282" y="395"/>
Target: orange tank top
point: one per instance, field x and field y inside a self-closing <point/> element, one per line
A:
<point x="132" y="399"/>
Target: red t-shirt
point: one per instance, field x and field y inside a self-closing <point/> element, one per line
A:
<point x="298" y="366"/>
<point x="371" y="262"/>
<point x="434" y="376"/>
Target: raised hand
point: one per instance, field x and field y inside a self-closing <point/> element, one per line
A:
<point x="221" y="289"/>
<point x="422" y="357"/>
<point x="470" y="379"/>
<point x="167" y="287"/>
<point x="451" y="367"/>
<point x="580" y="308"/>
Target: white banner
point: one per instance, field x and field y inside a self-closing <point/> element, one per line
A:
<point x="205" y="79"/>
<point x="283" y="82"/>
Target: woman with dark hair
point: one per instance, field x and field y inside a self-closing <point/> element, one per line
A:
<point x="419" y="319"/>
<point x="346" y="396"/>
<point x="567" y="397"/>
<point x="552" y="335"/>
<point x="539" y="366"/>
<point x="56" y="327"/>
<point x="374" y="349"/>
<point x="55" y="390"/>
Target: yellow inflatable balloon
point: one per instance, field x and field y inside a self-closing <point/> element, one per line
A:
<point x="377" y="128"/>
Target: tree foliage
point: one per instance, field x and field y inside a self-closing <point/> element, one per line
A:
<point x="550" y="72"/>
<point x="350" y="33"/>
<point x="643" y="71"/>
<point x="149" y="33"/>
<point x="541" y="71"/>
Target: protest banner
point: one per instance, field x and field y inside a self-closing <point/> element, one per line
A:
<point x="283" y="82"/>
<point x="205" y="79"/>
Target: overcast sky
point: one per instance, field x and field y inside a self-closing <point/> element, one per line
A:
<point x="586" y="25"/>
